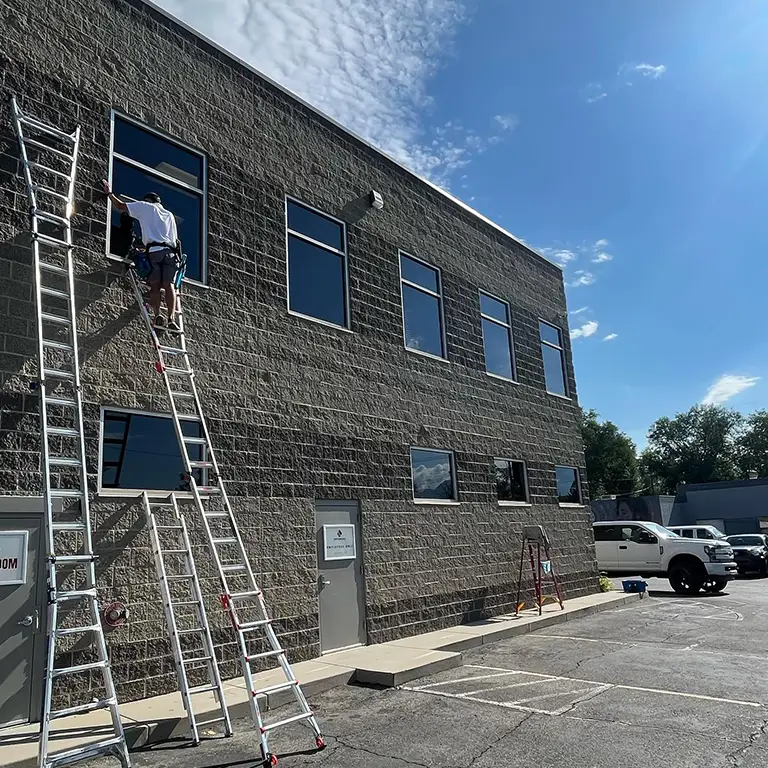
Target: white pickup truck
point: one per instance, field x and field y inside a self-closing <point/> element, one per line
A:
<point x="647" y="549"/>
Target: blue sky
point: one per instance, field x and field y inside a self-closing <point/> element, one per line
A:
<point x="625" y="139"/>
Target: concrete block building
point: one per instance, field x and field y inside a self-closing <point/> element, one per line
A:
<point x="405" y="370"/>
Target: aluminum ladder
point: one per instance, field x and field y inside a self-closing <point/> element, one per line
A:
<point x="184" y="609"/>
<point x="49" y="159"/>
<point x="241" y="597"/>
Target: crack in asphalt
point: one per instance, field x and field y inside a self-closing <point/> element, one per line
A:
<point x="367" y="751"/>
<point x="737" y="756"/>
<point x="503" y="736"/>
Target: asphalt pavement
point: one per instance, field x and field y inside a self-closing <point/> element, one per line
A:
<point x="668" y="681"/>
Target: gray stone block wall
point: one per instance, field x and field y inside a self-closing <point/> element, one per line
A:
<point x="298" y="411"/>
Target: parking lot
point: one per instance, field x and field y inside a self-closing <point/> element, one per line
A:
<point x="668" y="681"/>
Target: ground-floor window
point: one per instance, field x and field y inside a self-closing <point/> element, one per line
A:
<point x="434" y="476"/>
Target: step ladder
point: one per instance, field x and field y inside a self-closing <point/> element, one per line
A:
<point x="49" y="160"/>
<point x="241" y="597"/>
<point x="185" y="616"/>
<point x="536" y="541"/>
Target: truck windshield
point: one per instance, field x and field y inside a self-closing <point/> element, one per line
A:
<point x="745" y="541"/>
<point x="661" y="531"/>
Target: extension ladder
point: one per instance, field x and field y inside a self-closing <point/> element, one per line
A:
<point x="49" y="159"/>
<point x="241" y="597"/>
<point x="184" y="609"/>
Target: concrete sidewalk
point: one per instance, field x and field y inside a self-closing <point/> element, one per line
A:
<point x="389" y="664"/>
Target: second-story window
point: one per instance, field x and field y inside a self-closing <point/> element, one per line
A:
<point x="145" y="161"/>
<point x="422" y="306"/>
<point x="497" y="336"/>
<point x="554" y="359"/>
<point x="317" y="265"/>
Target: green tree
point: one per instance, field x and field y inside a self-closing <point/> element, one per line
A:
<point x="698" y="446"/>
<point x="610" y="455"/>
<point x="752" y="445"/>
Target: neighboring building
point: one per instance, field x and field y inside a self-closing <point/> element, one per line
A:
<point x="655" y="509"/>
<point x="405" y="369"/>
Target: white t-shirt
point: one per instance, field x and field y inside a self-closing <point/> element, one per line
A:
<point x="157" y="224"/>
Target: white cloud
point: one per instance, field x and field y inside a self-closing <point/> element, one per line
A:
<point x="586" y="330"/>
<point x="582" y="277"/>
<point x="728" y="386"/>
<point x="561" y="256"/>
<point x="646" y="70"/>
<point x="368" y="65"/>
<point x="602" y="243"/>
<point x="627" y="75"/>
<point x="507" y="122"/>
<point x="596" y="97"/>
<point x="610" y="337"/>
<point x="602" y="257"/>
<point x="578" y="311"/>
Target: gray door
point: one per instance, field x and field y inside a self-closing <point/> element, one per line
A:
<point x="22" y="589"/>
<point x="340" y="575"/>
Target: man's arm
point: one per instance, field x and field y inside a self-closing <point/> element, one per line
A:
<point x="116" y="201"/>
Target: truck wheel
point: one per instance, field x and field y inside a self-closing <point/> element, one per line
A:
<point x="687" y="576"/>
<point x="714" y="585"/>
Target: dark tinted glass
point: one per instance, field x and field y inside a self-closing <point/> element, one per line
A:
<point x="158" y="153"/>
<point x="316" y="282"/>
<point x="187" y="207"/>
<point x="745" y="541"/>
<point x="607" y="533"/>
<point x="567" y="485"/>
<point x="553" y="369"/>
<point x="432" y="474"/>
<point x="422" y="321"/>
<point x="493" y="308"/>
<point x="416" y="272"/>
<point x="510" y="480"/>
<point x="498" y="353"/>
<point x="142" y="453"/>
<point x="311" y="224"/>
<point x="549" y="333"/>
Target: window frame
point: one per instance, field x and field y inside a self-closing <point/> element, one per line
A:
<point x="452" y="456"/>
<point x="580" y="502"/>
<point x="561" y="349"/>
<point x="133" y="493"/>
<point x="323" y="246"/>
<point x="440" y="304"/>
<point x="203" y="190"/>
<point x="526" y="487"/>
<point x="510" y="335"/>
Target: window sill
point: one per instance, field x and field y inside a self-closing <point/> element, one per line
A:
<point x="317" y="320"/>
<point x="502" y="378"/>
<point x="427" y="354"/>
<point x="185" y="281"/>
<point x="441" y="502"/>
<point x="571" y="505"/>
<point x="514" y="503"/>
<point x="562" y="397"/>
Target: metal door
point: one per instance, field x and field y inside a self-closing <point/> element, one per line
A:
<point x="340" y="582"/>
<point x="22" y="589"/>
<point x="636" y="551"/>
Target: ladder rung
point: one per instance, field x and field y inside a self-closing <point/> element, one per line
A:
<point x="75" y="558"/>
<point x="181" y="394"/>
<point x="178" y="371"/>
<point x="58" y="345"/>
<point x="169" y="527"/>
<point x="232" y="568"/>
<point x="173" y="551"/>
<point x="54" y="241"/>
<point x="211" y="490"/>
<point x="196" y="660"/>
<point x="54" y="268"/>
<point x="78" y="753"/>
<point x="190" y="631"/>
<point x="248" y="625"/>
<point x="215" y="514"/>
<point x="211" y="721"/>
<point x="63" y="431"/>
<point x="64" y="461"/>
<point x="227" y="540"/>
<point x="171" y="350"/>
<point x="203" y="688"/>
<point x="264" y="655"/>
<point x="276" y="688"/>
<point x="292" y="719"/>
<point x="40" y="126"/>
<point x="55" y="319"/>
<point x="77" y="630"/>
<point x="42" y="145"/>
<point x="54" y="292"/>
<point x="51" y="192"/>
<point x="179" y="603"/>
<point x="195" y="440"/>
<point x="66" y="493"/>
<point x="179" y="577"/>
<point x="57" y="374"/>
<point x="75" y="594"/>
<point x="68" y="526"/>
<point x="61" y="401"/>
<point x="81" y="709"/>
<point x="47" y="216"/>
<point x="201" y="464"/>
<point x="78" y="668"/>
<point x="60" y="174"/>
<point x="241" y="595"/>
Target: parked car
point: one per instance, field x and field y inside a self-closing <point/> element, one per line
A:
<point x="648" y="549"/>
<point x="750" y="550"/>
<point x="697" y="531"/>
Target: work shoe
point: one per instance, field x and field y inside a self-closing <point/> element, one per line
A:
<point x="173" y="325"/>
<point x="159" y="321"/>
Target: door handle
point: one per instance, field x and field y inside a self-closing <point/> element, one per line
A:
<point x="324" y="582"/>
<point x="27" y="621"/>
<point x="622" y="546"/>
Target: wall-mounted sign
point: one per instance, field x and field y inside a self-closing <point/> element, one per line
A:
<point x="339" y="542"/>
<point x="13" y="557"/>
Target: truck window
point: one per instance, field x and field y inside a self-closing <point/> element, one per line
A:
<point x="704" y="533"/>
<point x="687" y="534"/>
<point x="607" y="533"/>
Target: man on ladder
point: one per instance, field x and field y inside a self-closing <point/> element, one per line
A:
<point x="159" y="235"/>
